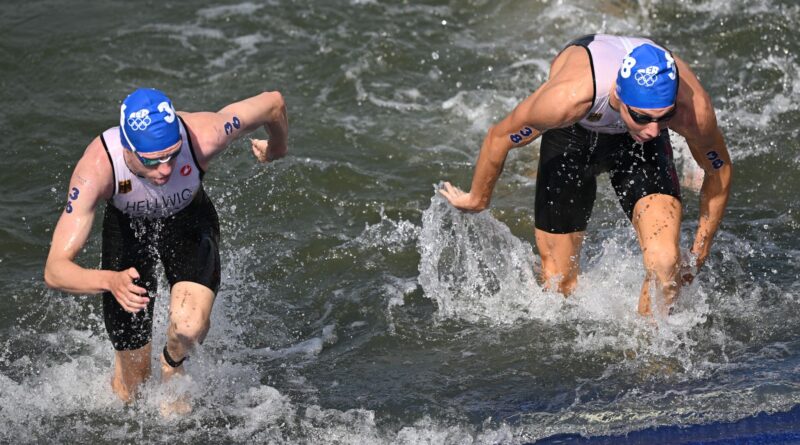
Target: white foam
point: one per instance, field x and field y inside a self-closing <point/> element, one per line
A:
<point x="309" y="348"/>
<point x="476" y="270"/>
<point x="261" y="409"/>
<point x="542" y="64"/>
<point x="392" y="236"/>
<point x="395" y="104"/>
<point x="186" y="31"/>
<point x="480" y="108"/>
<point x="775" y="103"/>
<point x="243" y="47"/>
<point x="80" y="384"/>
<point x="353" y="72"/>
<point x="246" y="8"/>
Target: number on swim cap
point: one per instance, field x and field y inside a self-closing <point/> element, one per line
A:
<point x="627" y="64"/>
<point x="670" y="64"/>
<point x="165" y="108"/>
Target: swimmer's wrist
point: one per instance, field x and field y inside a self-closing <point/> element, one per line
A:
<point x="477" y="203"/>
<point x="106" y="278"/>
<point x="276" y="151"/>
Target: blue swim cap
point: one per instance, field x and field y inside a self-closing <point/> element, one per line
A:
<point x="147" y="121"/>
<point x="647" y="78"/>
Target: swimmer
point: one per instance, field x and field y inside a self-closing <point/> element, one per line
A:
<point x="149" y="171"/>
<point x="606" y="107"/>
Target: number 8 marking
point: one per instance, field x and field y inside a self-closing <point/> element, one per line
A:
<point x="625" y="69"/>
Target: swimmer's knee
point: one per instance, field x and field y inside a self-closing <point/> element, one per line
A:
<point x="190" y="312"/>
<point x="190" y="332"/>
<point x="662" y="263"/>
<point x="184" y="336"/>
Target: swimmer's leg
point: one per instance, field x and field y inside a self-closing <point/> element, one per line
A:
<point x="189" y="322"/>
<point x="560" y="259"/>
<point x="657" y="220"/>
<point x="192" y="265"/>
<point x="131" y="369"/>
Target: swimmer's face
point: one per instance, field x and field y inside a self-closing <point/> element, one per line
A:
<point x="162" y="163"/>
<point x="645" y="124"/>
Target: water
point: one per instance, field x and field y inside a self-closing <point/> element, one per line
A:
<point x="357" y="307"/>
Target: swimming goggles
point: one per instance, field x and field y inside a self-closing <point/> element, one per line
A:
<point x="643" y="119"/>
<point x="163" y="160"/>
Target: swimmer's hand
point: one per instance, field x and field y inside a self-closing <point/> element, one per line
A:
<point x="131" y="297"/>
<point x="460" y="199"/>
<point x="264" y="152"/>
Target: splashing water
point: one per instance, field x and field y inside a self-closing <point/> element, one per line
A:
<point x="341" y="322"/>
<point x="476" y="270"/>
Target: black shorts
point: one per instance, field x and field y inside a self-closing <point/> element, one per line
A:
<point x="187" y="244"/>
<point x="572" y="157"/>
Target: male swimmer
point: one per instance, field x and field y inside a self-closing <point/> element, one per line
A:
<point x="149" y="171"/>
<point x="606" y="107"/>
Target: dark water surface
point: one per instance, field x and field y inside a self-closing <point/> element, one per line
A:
<point x="356" y="307"/>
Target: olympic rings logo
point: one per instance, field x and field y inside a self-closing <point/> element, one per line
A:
<point x="139" y="120"/>
<point x="647" y="77"/>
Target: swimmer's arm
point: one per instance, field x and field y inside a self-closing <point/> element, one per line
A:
<point x="72" y="230"/>
<point x="86" y="189"/>
<point x="554" y="105"/>
<point x="708" y="148"/>
<point x="213" y="132"/>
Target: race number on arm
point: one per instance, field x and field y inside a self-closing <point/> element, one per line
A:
<point x="561" y="101"/>
<point x="213" y="132"/>
<point x="91" y="182"/>
<point x="697" y="123"/>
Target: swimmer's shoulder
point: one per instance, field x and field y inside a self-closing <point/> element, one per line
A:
<point x="94" y="171"/>
<point x="572" y="81"/>
<point x="572" y="62"/>
<point x="696" y="116"/>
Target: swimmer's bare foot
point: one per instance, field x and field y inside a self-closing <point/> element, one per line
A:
<point x="174" y="405"/>
<point x="121" y="391"/>
<point x="180" y="406"/>
<point x="131" y="369"/>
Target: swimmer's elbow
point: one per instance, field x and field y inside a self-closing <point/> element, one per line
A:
<point x="276" y="105"/>
<point x="497" y="141"/>
<point x="49" y="277"/>
<point x="722" y="172"/>
<point x="274" y="97"/>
